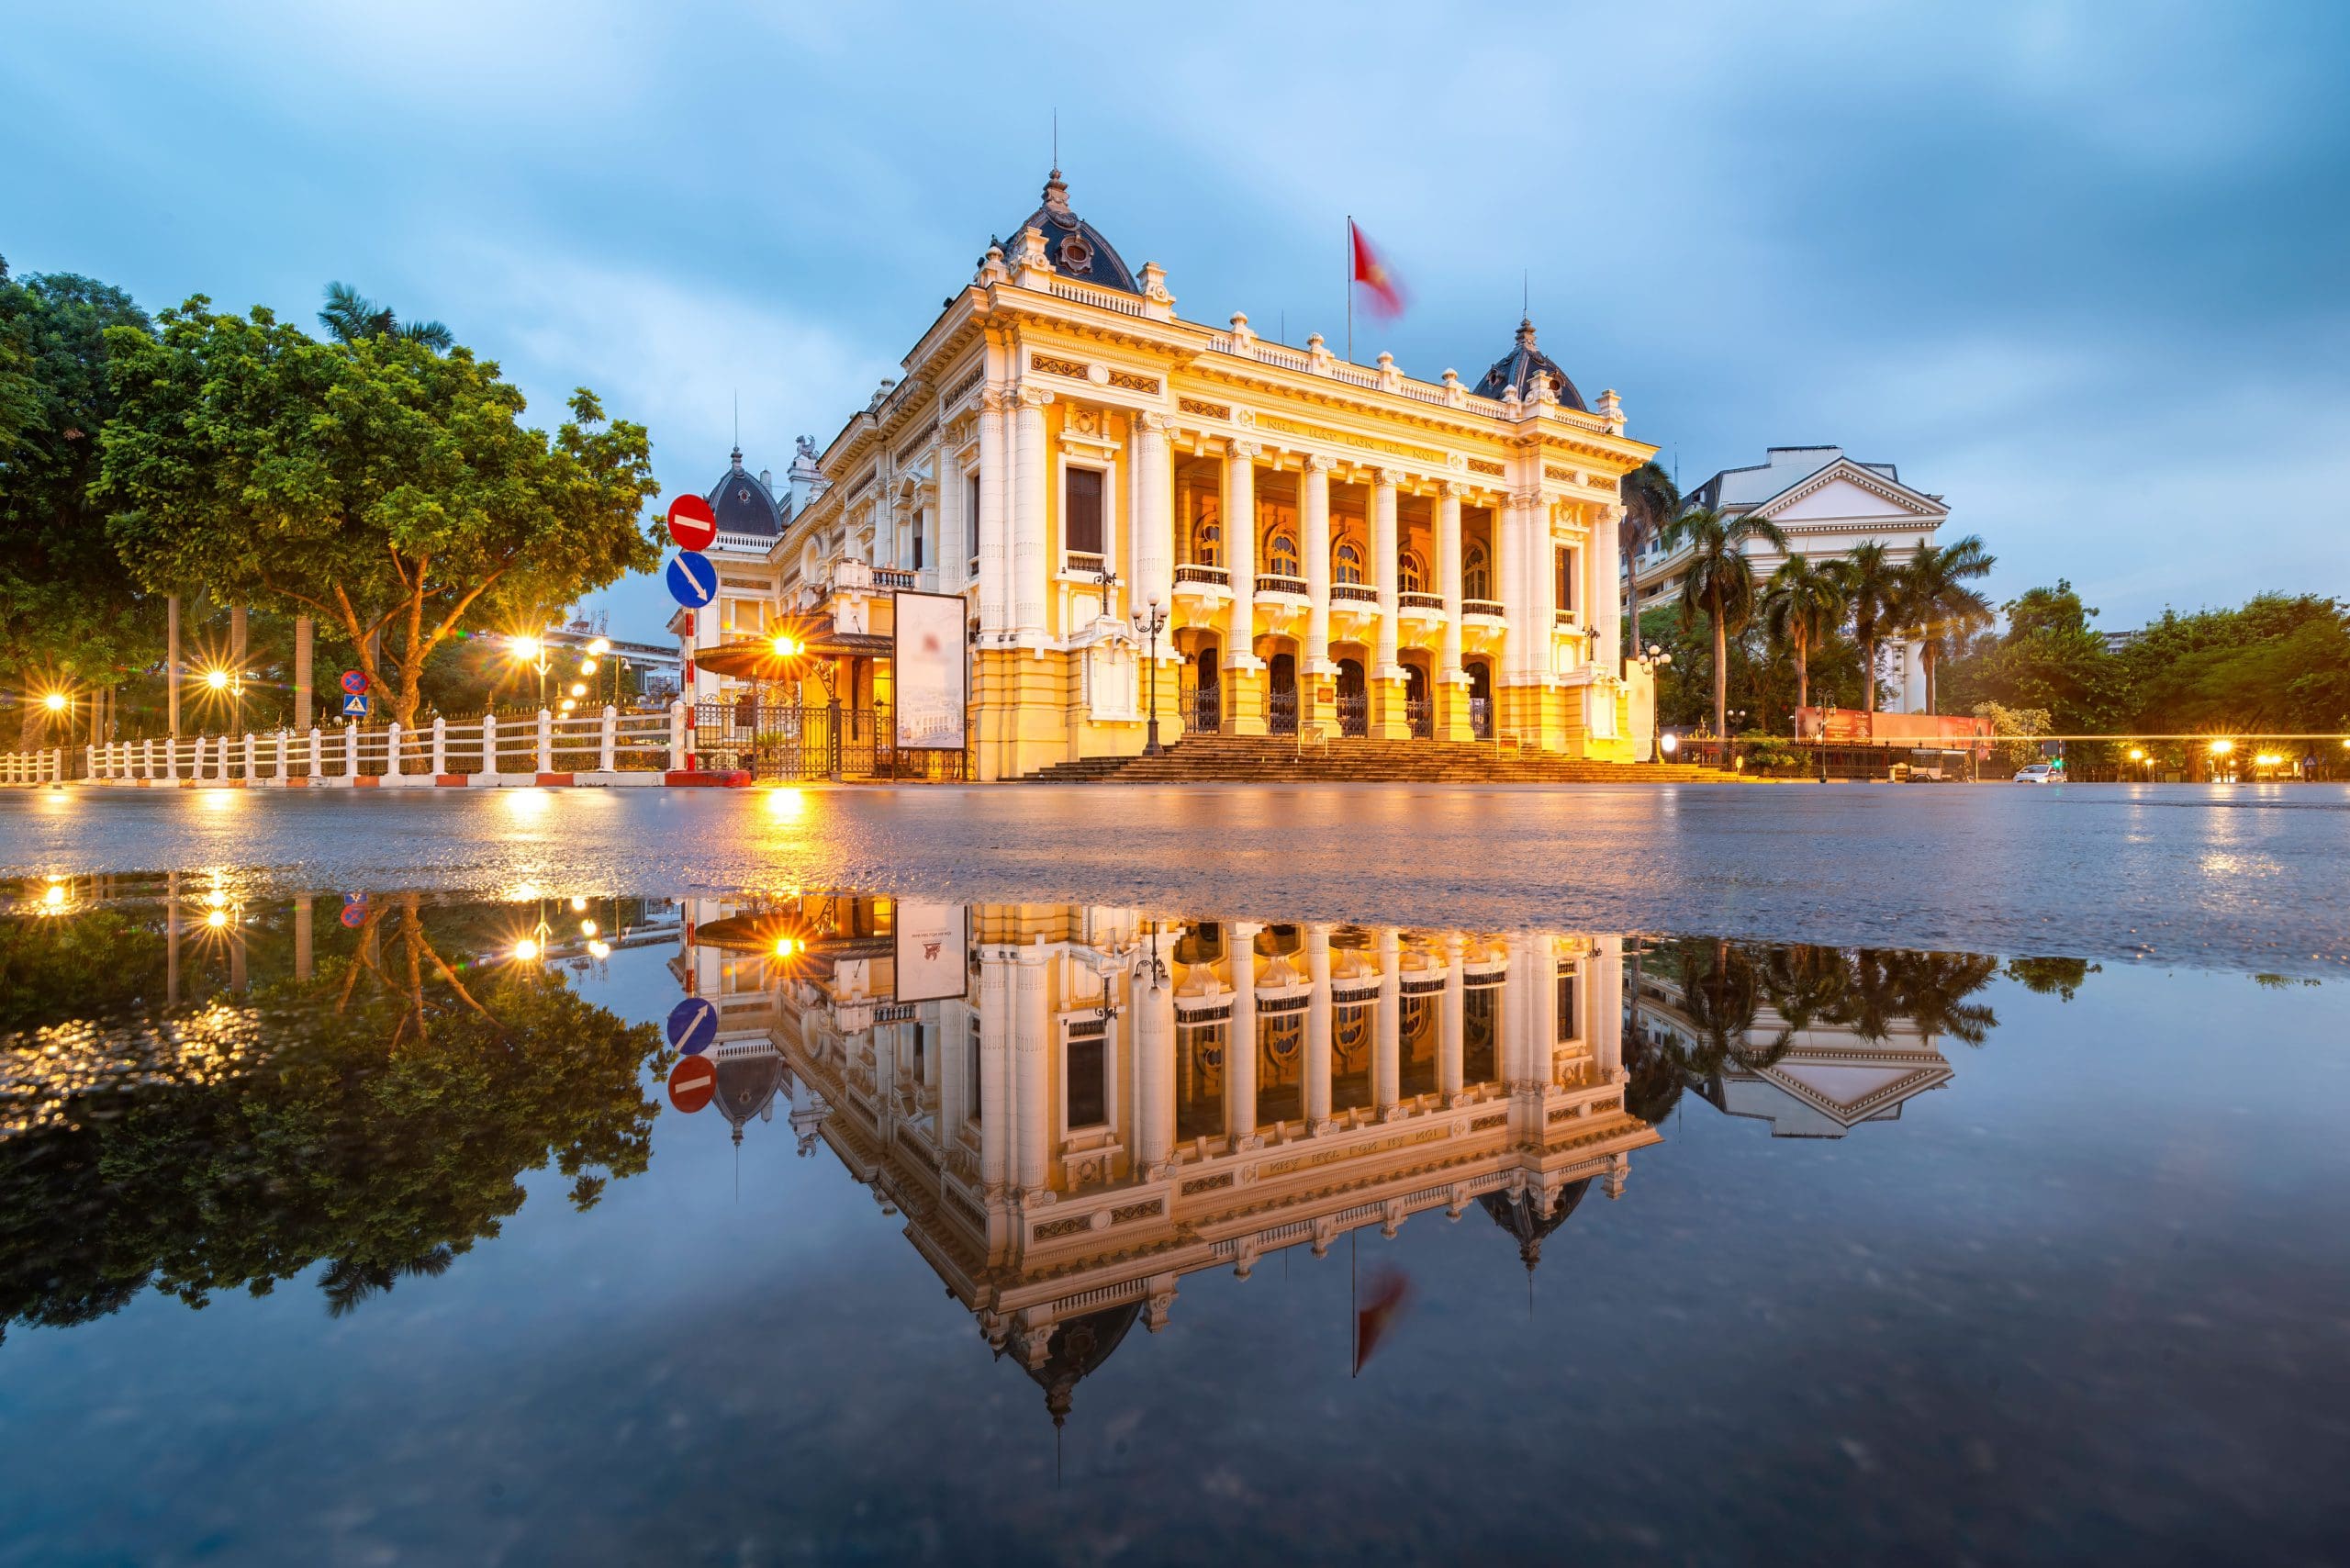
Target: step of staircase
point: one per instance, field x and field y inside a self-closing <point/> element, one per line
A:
<point x="1214" y="759"/>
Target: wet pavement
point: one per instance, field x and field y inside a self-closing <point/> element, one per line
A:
<point x="2247" y="875"/>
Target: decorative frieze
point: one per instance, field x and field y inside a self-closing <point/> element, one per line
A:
<point x="1426" y="457"/>
<point x="1127" y="381"/>
<point x="1053" y="365"/>
<point x="1203" y="410"/>
<point x="1485" y="466"/>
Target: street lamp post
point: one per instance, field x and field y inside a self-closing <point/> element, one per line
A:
<point x="1149" y="624"/>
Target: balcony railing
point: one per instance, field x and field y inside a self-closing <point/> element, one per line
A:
<point x="1362" y="592"/>
<point x="1565" y="620"/>
<point x="1083" y="564"/>
<point x="1188" y="573"/>
<point x="1268" y="582"/>
<point x="1420" y="600"/>
<point x="1491" y="607"/>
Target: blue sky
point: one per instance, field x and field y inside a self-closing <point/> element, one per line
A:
<point x="2079" y="268"/>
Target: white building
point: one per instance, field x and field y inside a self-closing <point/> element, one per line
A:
<point x="1826" y="503"/>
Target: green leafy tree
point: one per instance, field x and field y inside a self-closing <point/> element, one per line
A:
<point x="1937" y="604"/>
<point x="68" y="618"/>
<point x="382" y="485"/>
<point x="1870" y="582"/>
<point x="374" y="1120"/>
<point x="2278" y="663"/>
<point x="1651" y="500"/>
<point x="350" y="316"/>
<point x="1718" y="582"/>
<point x="2048" y="660"/>
<point x="1801" y="604"/>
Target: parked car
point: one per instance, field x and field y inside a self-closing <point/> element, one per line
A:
<point x="2037" y="773"/>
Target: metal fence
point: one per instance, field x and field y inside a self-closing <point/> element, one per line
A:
<point x="801" y="742"/>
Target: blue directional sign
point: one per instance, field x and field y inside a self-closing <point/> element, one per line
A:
<point x="693" y="1026"/>
<point x="355" y="707"/>
<point x="693" y="581"/>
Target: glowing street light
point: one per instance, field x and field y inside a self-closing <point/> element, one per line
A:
<point x="587" y="667"/>
<point x="600" y="646"/>
<point x="55" y="701"/>
<point x="531" y="651"/>
<point x="2222" y="748"/>
<point x="787" y="647"/>
<point x="525" y="951"/>
<point x="580" y="688"/>
<point x="218" y="679"/>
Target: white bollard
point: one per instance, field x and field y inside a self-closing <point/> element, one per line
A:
<point x="440" y="745"/>
<point x="280" y="770"/>
<point x="318" y="764"/>
<point x="678" y="735"/>
<point x="489" y="744"/>
<point x="609" y="760"/>
<point x="546" y="741"/>
<point x="250" y="754"/>
<point x="392" y="751"/>
<point x="351" y="751"/>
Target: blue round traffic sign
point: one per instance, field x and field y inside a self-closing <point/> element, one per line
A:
<point x="693" y="581"/>
<point x="693" y="1026"/>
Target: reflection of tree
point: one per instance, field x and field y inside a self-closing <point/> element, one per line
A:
<point x="91" y="961"/>
<point x="1720" y="987"/>
<point x="396" y="1104"/>
<point x="2051" y="977"/>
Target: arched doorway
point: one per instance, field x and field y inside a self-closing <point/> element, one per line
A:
<point x="1416" y="711"/>
<point x="1203" y="692"/>
<point x="1280" y="697"/>
<point x="1354" y="700"/>
<point x="1481" y="699"/>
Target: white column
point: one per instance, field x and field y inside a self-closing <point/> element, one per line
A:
<point x="1605" y="1026"/>
<point x="1451" y="1021"/>
<point x="1240" y="1036"/>
<point x="995" y="1069"/>
<point x="1318" y="1029"/>
<point x="1387" y="1077"/>
<point x="1542" y="1039"/>
<point x="995" y="562"/>
<point x="950" y="552"/>
<point x="1603" y="589"/>
<point x="1033" y="1066"/>
<point x="1240" y="546"/>
<point x="1546" y="588"/>
<point x="1032" y="468"/>
<point x="1382" y="550"/>
<point x="1448" y="552"/>
<point x="1154" y="547"/>
<point x="1315" y="547"/>
<point x="1153" y="1011"/>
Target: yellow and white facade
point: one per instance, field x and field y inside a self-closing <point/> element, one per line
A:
<point x="1325" y="547"/>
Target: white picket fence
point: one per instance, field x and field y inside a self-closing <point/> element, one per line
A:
<point x="521" y="748"/>
<point x="32" y="766"/>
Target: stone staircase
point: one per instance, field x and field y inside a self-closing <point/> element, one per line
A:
<point x="1257" y="759"/>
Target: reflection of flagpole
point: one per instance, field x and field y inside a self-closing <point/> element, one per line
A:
<point x="1354" y="1318"/>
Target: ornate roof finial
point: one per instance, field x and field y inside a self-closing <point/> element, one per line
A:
<point x="1526" y="331"/>
<point x="1056" y="194"/>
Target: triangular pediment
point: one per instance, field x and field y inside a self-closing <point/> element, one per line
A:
<point x="1844" y="490"/>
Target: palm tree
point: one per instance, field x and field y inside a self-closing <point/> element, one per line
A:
<point x="1937" y="604"/>
<point x="1801" y="603"/>
<point x="1873" y="587"/>
<point x="1719" y="580"/>
<point x="350" y="316"/>
<point x="1651" y="500"/>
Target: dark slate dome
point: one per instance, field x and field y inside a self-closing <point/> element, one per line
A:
<point x="744" y="503"/>
<point x="1079" y="1346"/>
<point x="1075" y="247"/>
<point x="746" y="1087"/>
<point x="1517" y="369"/>
<point x="1516" y="1213"/>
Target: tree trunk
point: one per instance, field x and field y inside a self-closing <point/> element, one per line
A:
<point x="1802" y="671"/>
<point x="1721" y="680"/>
<point x="1926" y="658"/>
<point x="1868" y="674"/>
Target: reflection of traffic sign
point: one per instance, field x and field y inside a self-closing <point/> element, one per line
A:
<point x="693" y="1026"/>
<point x="355" y="707"/>
<point x="691" y="524"/>
<point x="691" y="1083"/>
<point x="693" y="581"/>
<point x="355" y="683"/>
<point x="355" y="909"/>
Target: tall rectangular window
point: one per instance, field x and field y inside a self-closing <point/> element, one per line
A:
<point x="1088" y="1088"/>
<point x="971" y="520"/>
<point x="1569" y="1021"/>
<point x="1082" y="492"/>
<point x="1566" y="579"/>
<point x="918" y="524"/>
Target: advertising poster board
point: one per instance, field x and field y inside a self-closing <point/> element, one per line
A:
<point x="931" y="660"/>
<point x="932" y="940"/>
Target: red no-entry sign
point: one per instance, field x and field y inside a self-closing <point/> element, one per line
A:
<point x="691" y="1083"/>
<point x="691" y="524"/>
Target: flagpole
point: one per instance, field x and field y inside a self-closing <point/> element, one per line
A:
<point x="1350" y="288"/>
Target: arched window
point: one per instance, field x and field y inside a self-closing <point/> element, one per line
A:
<point x="1410" y="574"/>
<point x="1280" y="553"/>
<point x="1346" y="565"/>
<point x="1207" y="541"/>
<point x="1476" y="578"/>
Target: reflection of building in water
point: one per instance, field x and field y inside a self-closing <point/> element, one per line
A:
<point x="1808" y="1073"/>
<point x="1118" y="1101"/>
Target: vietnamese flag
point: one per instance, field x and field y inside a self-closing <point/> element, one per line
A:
<point x="1386" y="294"/>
